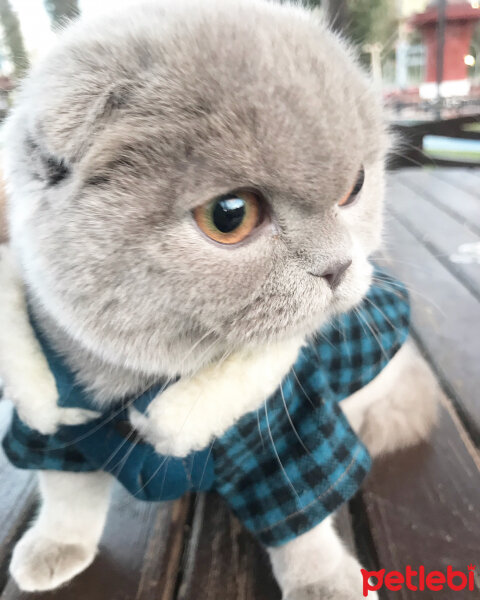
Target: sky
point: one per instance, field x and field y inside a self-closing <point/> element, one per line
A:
<point x="35" y="21"/>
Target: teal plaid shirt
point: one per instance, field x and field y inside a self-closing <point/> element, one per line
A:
<point x="283" y="468"/>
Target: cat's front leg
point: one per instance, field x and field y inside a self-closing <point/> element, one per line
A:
<point x="63" y="540"/>
<point x="317" y="566"/>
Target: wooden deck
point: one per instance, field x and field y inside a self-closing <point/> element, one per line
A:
<point x="419" y="507"/>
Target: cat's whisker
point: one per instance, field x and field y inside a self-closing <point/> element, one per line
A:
<point x="123" y="461"/>
<point x="388" y="286"/>
<point x="127" y="440"/>
<point x="356" y="311"/>
<point x="375" y="335"/>
<point x="291" y="422"/>
<point x="165" y="460"/>
<point x="260" y="433"/>
<point x="197" y="343"/>
<point x="394" y="327"/>
<point x="110" y="417"/>
<point x="204" y="468"/>
<point x="407" y="158"/>
<point x="324" y="337"/>
<point x="276" y="452"/>
<point x="390" y="260"/>
<point x="302" y="388"/>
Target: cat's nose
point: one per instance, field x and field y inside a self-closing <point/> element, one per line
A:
<point x="334" y="274"/>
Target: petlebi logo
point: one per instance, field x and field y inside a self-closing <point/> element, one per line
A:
<point x="419" y="580"/>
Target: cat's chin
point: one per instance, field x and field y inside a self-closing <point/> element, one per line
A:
<point x="346" y="303"/>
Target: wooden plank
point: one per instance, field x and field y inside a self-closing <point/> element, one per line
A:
<point x="465" y="179"/>
<point x="422" y="507"/>
<point x="225" y="561"/>
<point x="222" y="559"/>
<point x="164" y="553"/>
<point x="456" y="202"/>
<point x="138" y="558"/>
<point x="344" y="527"/>
<point x="434" y="228"/>
<point x="446" y="317"/>
<point x="422" y="503"/>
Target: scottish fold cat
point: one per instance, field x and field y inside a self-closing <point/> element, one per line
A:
<point x="195" y="189"/>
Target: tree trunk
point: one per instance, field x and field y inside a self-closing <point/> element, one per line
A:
<point x="62" y="11"/>
<point x="13" y="38"/>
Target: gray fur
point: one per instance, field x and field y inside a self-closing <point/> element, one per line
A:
<point x="134" y="120"/>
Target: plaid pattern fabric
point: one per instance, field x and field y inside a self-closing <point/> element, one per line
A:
<point x="27" y="448"/>
<point x="283" y="468"/>
<point x="290" y="465"/>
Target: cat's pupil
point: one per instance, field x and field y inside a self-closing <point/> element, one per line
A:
<point x="228" y="213"/>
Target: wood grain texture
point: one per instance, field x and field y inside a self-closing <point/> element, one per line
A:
<point x="464" y="179"/>
<point x="164" y="553"/>
<point x="436" y="230"/>
<point x="422" y="503"/>
<point x="344" y="527"/>
<point x="460" y="204"/>
<point x="422" y="506"/>
<point x="222" y="559"/>
<point x="445" y="317"/>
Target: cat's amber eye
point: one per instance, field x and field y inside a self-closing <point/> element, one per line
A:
<point x="230" y="218"/>
<point x="353" y="194"/>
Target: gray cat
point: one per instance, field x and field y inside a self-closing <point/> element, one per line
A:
<point x="119" y="142"/>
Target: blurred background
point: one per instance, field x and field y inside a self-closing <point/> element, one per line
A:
<point x="425" y="56"/>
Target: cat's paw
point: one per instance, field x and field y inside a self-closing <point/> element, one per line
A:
<point x="345" y="584"/>
<point x="40" y="564"/>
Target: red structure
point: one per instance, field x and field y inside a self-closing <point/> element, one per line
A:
<point x="461" y="18"/>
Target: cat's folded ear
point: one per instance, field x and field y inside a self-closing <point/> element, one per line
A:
<point x="52" y="168"/>
<point x="44" y="166"/>
<point x="115" y="99"/>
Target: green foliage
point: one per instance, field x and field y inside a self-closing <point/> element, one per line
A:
<point x="12" y="37"/>
<point x="61" y="11"/>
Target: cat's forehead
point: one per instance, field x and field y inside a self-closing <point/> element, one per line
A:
<point x="250" y="90"/>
